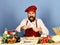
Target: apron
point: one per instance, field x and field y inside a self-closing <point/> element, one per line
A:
<point x="30" y="32"/>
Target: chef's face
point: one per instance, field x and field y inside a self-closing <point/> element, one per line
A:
<point x="31" y="15"/>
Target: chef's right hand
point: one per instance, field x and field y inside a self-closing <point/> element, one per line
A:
<point x="25" y="27"/>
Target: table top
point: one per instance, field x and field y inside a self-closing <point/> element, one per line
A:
<point x="30" y="41"/>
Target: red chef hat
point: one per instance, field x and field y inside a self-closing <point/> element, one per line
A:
<point x="31" y="8"/>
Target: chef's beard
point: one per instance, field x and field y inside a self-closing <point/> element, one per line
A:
<point x="31" y="20"/>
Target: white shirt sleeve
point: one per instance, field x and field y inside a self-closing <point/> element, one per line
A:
<point x="44" y="29"/>
<point x="21" y="24"/>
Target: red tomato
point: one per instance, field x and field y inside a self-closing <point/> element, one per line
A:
<point x="44" y="39"/>
<point x="9" y="32"/>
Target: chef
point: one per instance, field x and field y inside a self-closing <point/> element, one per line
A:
<point x="33" y="26"/>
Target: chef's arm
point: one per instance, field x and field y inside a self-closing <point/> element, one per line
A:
<point x="19" y="28"/>
<point x="44" y="30"/>
<point x="43" y="27"/>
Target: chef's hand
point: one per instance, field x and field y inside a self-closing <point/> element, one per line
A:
<point x="36" y="29"/>
<point x="25" y="27"/>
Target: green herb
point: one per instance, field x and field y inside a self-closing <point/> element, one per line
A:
<point x="39" y="41"/>
<point x="50" y="41"/>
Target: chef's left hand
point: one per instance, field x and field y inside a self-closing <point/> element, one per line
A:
<point x="36" y="29"/>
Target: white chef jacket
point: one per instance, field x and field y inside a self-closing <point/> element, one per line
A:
<point x="40" y="24"/>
